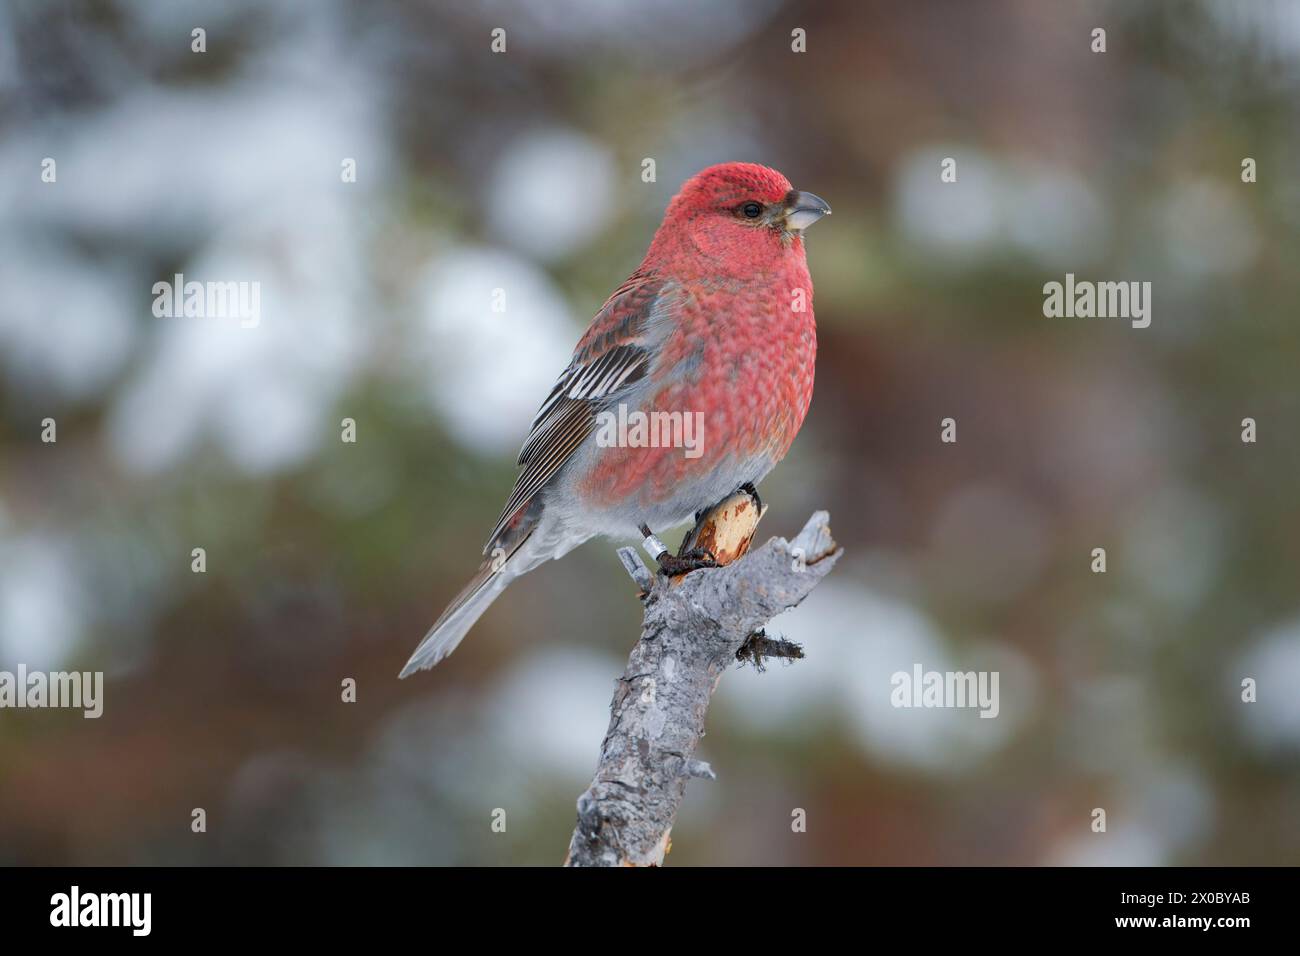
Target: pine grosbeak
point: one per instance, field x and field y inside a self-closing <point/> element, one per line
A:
<point x="716" y="324"/>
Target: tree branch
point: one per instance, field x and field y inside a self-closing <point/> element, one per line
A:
<point x="693" y="629"/>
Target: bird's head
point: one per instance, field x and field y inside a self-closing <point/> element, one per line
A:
<point x="742" y="213"/>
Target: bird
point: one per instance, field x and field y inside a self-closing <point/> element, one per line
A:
<point x="716" y="327"/>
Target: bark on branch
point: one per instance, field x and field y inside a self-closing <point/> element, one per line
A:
<point x="694" y="628"/>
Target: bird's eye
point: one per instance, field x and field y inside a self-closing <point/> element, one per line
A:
<point x="751" y="210"/>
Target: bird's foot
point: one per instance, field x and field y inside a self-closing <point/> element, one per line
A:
<point x="684" y="562"/>
<point x="692" y="560"/>
<point x="749" y="489"/>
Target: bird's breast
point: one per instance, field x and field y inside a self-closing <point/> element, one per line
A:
<point x="733" y="380"/>
<point x="743" y="355"/>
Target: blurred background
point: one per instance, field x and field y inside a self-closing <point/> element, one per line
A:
<point x="521" y="171"/>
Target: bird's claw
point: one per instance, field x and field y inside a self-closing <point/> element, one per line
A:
<point x="693" y="560"/>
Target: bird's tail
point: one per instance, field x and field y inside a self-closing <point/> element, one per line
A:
<point x="513" y="552"/>
<point x="459" y="617"/>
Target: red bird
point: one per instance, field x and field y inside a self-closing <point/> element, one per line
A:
<point x="715" y="328"/>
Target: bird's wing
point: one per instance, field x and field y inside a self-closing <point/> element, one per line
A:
<point x="614" y="353"/>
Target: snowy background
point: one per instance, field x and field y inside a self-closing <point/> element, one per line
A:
<point x="522" y="171"/>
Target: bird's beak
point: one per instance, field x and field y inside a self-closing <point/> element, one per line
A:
<point x="803" y="209"/>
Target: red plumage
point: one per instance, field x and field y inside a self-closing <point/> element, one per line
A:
<point x="716" y="323"/>
<point x="751" y="355"/>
